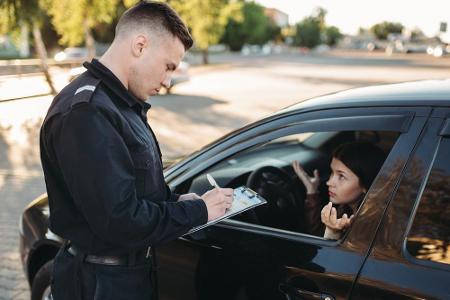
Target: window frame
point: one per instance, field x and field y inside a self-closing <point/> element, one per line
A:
<point x="444" y="135"/>
<point x="395" y="119"/>
<point x="216" y="148"/>
<point x="375" y="119"/>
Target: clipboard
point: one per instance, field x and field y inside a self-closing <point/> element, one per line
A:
<point x="243" y="199"/>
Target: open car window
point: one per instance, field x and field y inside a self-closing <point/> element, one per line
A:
<point x="267" y="169"/>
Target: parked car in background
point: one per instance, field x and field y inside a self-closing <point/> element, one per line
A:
<point x="438" y="50"/>
<point x="398" y="246"/>
<point x="181" y="74"/>
<point x="72" y="53"/>
<point x="79" y="54"/>
<point x="400" y="46"/>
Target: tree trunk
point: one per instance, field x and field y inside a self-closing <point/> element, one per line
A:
<point x="89" y="40"/>
<point x="42" y="53"/>
<point x="24" y="48"/>
<point x="205" y="56"/>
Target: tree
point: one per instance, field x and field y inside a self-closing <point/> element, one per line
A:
<point x="312" y="30"/>
<point x="417" y="35"/>
<point x="320" y="14"/>
<point x="74" y="20"/>
<point x="382" y="30"/>
<point x="254" y="28"/>
<point x="207" y="19"/>
<point x="332" y="35"/>
<point x="308" y="32"/>
<point x="29" y="13"/>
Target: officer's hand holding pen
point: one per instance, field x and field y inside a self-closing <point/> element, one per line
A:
<point x="217" y="200"/>
<point x="213" y="182"/>
<point x="190" y="196"/>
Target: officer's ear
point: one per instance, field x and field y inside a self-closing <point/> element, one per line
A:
<point x="140" y="43"/>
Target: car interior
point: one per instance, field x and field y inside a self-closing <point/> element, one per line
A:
<point x="267" y="169"/>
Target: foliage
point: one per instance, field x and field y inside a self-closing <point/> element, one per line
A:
<point x="308" y="33"/>
<point x="30" y="13"/>
<point x="312" y="31"/>
<point x="332" y="35"/>
<point x="130" y="3"/>
<point x="207" y="18"/>
<point x="320" y="14"/>
<point x="70" y="18"/>
<point x="254" y="28"/>
<point x="382" y="30"/>
<point x="15" y="13"/>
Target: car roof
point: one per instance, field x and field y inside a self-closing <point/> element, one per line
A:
<point x="416" y="93"/>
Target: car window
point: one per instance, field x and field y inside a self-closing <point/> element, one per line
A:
<point x="267" y="169"/>
<point x="429" y="236"/>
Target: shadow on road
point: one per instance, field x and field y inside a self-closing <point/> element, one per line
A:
<point x="197" y="109"/>
<point x="184" y="123"/>
<point x="19" y="147"/>
<point x="20" y="182"/>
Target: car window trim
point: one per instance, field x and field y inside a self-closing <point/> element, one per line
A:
<point x="276" y="232"/>
<point x="395" y="123"/>
<point x="325" y="124"/>
<point x="262" y="126"/>
<point x="445" y="132"/>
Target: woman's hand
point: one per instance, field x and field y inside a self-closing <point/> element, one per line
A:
<point x="311" y="183"/>
<point x="334" y="226"/>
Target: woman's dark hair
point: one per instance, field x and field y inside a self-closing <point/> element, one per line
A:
<point x="363" y="158"/>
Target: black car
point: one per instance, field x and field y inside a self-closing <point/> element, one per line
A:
<point x="398" y="246"/>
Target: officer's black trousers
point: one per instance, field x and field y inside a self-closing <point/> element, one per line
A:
<point x="76" y="280"/>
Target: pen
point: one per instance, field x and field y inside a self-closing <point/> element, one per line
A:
<point x="212" y="181"/>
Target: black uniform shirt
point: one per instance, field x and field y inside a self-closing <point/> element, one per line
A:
<point x="103" y="170"/>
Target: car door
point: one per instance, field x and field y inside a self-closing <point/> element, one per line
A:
<point x="243" y="260"/>
<point x="410" y="258"/>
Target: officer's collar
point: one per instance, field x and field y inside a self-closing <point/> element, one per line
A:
<point x="113" y="83"/>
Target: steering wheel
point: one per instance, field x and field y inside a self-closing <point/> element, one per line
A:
<point x="285" y="204"/>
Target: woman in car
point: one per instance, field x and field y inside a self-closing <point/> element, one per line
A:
<point x="353" y="168"/>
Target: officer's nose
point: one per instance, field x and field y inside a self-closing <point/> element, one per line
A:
<point x="167" y="81"/>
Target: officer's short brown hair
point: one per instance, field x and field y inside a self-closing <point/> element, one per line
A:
<point x="155" y="16"/>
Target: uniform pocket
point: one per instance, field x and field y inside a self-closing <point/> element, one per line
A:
<point x="142" y="161"/>
<point x="122" y="282"/>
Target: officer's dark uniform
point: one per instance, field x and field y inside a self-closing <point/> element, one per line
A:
<point x="106" y="190"/>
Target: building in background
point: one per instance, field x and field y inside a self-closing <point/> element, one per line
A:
<point x="279" y="18"/>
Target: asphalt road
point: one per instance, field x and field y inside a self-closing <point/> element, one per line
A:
<point x="232" y="92"/>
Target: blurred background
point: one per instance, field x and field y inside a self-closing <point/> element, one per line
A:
<point x="250" y="59"/>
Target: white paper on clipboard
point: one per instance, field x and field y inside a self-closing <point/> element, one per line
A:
<point x="244" y="199"/>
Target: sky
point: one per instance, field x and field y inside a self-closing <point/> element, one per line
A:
<point x="349" y="15"/>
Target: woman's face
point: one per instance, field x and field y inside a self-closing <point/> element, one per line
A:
<point x="343" y="185"/>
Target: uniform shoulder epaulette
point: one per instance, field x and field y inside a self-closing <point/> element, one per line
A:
<point x="86" y="89"/>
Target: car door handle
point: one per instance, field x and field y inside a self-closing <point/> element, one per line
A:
<point x="293" y="293"/>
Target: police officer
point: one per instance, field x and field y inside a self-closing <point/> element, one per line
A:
<point x="103" y="169"/>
